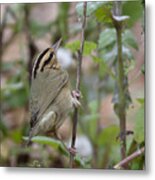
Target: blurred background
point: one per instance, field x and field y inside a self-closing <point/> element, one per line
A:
<point x="26" y="30"/>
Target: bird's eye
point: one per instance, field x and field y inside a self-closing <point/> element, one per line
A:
<point x="51" y="55"/>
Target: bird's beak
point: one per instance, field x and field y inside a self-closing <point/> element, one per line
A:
<point x="57" y="45"/>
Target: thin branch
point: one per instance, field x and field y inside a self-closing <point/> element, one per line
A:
<point x="129" y="158"/>
<point x="78" y="80"/>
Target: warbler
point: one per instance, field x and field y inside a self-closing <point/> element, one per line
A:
<point x="51" y="98"/>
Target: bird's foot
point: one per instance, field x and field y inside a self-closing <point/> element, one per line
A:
<point x="72" y="151"/>
<point x="76" y="95"/>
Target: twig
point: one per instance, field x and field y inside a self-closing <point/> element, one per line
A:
<point x="129" y="158"/>
<point x="78" y="80"/>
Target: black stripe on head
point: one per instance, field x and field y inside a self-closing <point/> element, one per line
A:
<point x="38" y="62"/>
<point x="47" y="61"/>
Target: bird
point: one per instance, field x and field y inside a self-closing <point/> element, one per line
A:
<point x="51" y="98"/>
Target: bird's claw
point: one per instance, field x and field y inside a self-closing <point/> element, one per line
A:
<point x="72" y="151"/>
<point x="76" y="96"/>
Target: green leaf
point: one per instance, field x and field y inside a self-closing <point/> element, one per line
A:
<point x="81" y="161"/>
<point x="134" y="10"/>
<point x="56" y="144"/>
<point x="103" y="14"/>
<point x="88" y="47"/>
<point x="129" y="143"/>
<point x="139" y="125"/>
<point x="132" y="147"/>
<point x="108" y="136"/>
<point x="104" y="68"/>
<point x="115" y="155"/>
<point x="89" y="121"/>
<point x="129" y="39"/>
<point x="73" y="46"/>
<point x="129" y="66"/>
<point x="107" y="38"/>
<point x="108" y="46"/>
<point x="127" y="54"/>
<point x="109" y="54"/>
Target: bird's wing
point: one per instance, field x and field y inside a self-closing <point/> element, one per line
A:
<point x="45" y="88"/>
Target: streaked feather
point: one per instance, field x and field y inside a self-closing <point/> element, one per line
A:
<point x="51" y="82"/>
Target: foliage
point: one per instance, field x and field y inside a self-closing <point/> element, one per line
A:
<point x="139" y="125"/>
<point x="56" y="144"/>
<point x="134" y="10"/>
<point x="88" y="47"/>
<point x="15" y="93"/>
<point x="108" y="46"/>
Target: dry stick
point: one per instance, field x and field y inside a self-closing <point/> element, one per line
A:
<point x="78" y="80"/>
<point x="129" y="158"/>
<point x="121" y="76"/>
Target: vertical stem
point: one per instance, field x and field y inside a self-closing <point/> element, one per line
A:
<point x="78" y="80"/>
<point x="31" y="45"/>
<point x="122" y="112"/>
<point x="120" y="80"/>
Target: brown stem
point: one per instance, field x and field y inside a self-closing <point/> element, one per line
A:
<point x="78" y="80"/>
<point x="32" y="49"/>
<point x="129" y="158"/>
